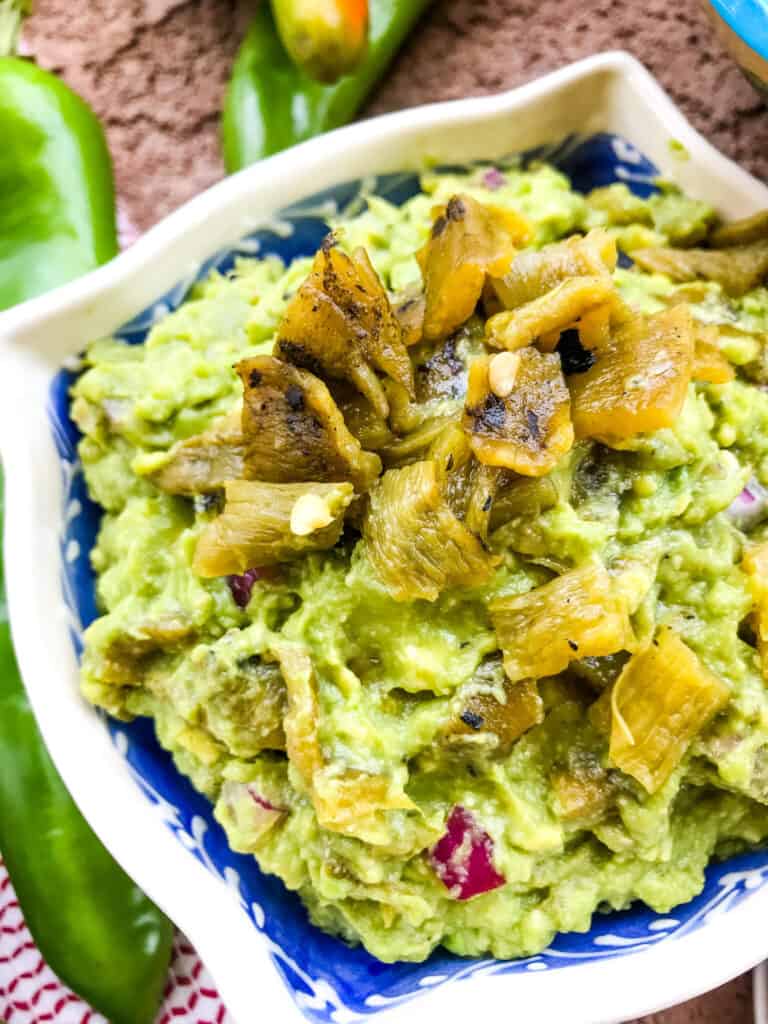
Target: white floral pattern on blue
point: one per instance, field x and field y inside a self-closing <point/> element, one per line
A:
<point x="331" y="982"/>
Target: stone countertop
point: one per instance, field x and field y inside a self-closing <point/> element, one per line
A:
<point x="155" y="71"/>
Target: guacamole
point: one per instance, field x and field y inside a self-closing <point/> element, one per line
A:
<point x="439" y="559"/>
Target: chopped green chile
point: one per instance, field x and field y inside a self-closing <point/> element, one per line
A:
<point x="356" y="288"/>
<point x="340" y="324"/>
<point x="535" y="272"/>
<point x="204" y="463"/>
<point x="294" y="432"/>
<point x="738" y="269"/>
<point x="529" y="429"/>
<point x="741" y="232"/>
<point x="301" y="733"/>
<point x="468" y="241"/>
<point x="362" y="420"/>
<point x="639" y="380"/>
<point x="483" y="483"/>
<point x="522" y="496"/>
<point x="599" y="713"/>
<point x="257" y="526"/>
<point x="554" y="311"/>
<point x="490" y="302"/>
<point x="618" y="205"/>
<point x="416" y="544"/>
<point x="661" y="701"/>
<point x="584" y="791"/>
<point x="409" y="310"/>
<point x="483" y="715"/>
<point x="755" y="566"/>
<point x="351" y="802"/>
<point x="469" y="486"/>
<point x="576" y="615"/>
<point x="441" y="371"/>
<point x="709" y="363"/>
<point x="452" y="455"/>
<point x="415" y="445"/>
<point x="128" y="656"/>
<point x="405" y="413"/>
<point x="600" y="672"/>
<point x="358" y="804"/>
<point x="249" y="691"/>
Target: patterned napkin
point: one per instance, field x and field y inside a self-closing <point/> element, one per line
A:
<point x="30" y="993"/>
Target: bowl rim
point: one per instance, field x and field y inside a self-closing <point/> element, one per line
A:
<point x="598" y="992"/>
<point x="748" y="19"/>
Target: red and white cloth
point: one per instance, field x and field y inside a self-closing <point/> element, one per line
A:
<point x="30" y="993"/>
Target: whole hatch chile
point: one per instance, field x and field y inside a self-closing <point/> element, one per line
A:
<point x="95" y="928"/>
<point x="463" y="857"/>
<point x="57" y="207"/>
<point x="272" y="104"/>
<point x="327" y="38"/>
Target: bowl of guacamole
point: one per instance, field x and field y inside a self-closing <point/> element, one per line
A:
<point x="437" y="556"/>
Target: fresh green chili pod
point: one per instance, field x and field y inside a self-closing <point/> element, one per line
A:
<point x="271" y="104"/>
<point x="94" y="927"/>
<point x="57" y="203"/>
<point x="327" y="38"/>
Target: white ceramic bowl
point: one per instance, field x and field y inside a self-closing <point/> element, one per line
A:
<point x="611" y="92"/>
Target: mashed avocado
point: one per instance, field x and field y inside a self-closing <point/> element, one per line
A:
<point x="389" y="757"/>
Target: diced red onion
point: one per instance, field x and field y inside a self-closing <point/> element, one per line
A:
<point x="254" y="816"/>
<point x="751" y="506"/>
<point x="261" y="801"/>
<point x="242" y="586"/>
<point x="493" y="179"/>
<point x="463" y="858"/>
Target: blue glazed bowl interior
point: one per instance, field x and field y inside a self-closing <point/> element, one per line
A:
<point x="330" y="981"/>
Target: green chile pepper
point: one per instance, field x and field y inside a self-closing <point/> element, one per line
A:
<point x="57" y="204"/>
<point x="93" y="925"/>
<point x="327" y="38"/>
<point x="271" y="104"/>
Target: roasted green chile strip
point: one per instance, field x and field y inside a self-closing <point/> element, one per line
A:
<point x="271" y="104"/>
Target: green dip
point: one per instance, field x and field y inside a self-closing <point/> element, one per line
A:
<point x="392" y="676"/>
